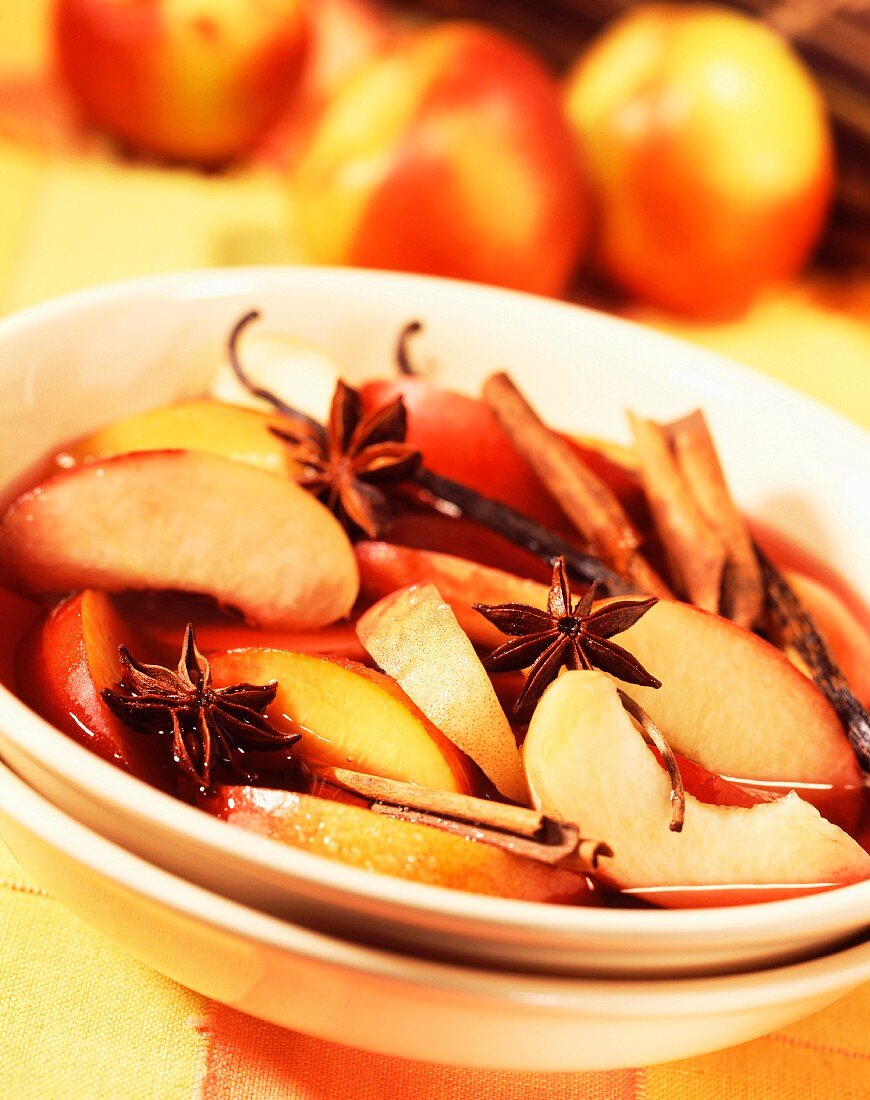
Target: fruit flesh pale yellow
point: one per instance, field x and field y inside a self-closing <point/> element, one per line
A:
<point x="415" y="637"/>
<point x="587" y="762"/>
<point x="186" y="521"/>
<point x="733" y="703"/>
<point x="347" y="719"/>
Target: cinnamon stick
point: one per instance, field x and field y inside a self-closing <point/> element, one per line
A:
<point x="708" y="545"/>
<point x="695" y="555"/>
<point x="514" y="829"/>
<point x="585" y="499"/>
<point x="742" y="595"/>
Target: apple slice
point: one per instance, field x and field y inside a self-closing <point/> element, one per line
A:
<point x="200" y="425"/>
<point x="415" y="638"/>
<point x="183" y="520"/>
<point x="63" y="663"/>
<point x="735" y="704"/>
<point x="355" y="835"/>
<point x="349" y="716"/>
<point x="384" y="568"/>
<point x="586" y="762"/>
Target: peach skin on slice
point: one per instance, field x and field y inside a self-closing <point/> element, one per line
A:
<point x="200" y="425"/>
<point x="735" y="704"/>
<point x="355" y="835"/>
<point x="415" y="638"/>
<point x="349" y="716"/>
<point x="384" y="568"/>
<point x="189" y="521"/>
<point x="586" y="762"/>
<point x="62" y="664"/>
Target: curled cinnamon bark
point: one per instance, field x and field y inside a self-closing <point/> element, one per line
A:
<point x="586" y="500"/>
<point x="709" y="549"/>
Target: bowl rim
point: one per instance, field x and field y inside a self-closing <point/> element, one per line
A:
<point x="756" y="988"/>
<point x="39" y="740"/>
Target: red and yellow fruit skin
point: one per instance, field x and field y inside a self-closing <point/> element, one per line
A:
<point x="709" y="156"/>
<point x="460" y="438"/>
<point x="344" y="34"/>
<point x="187" y="80"/>
<point x="449" y="155"/>
<point x="331" y="740"/>
<point x="63" y="662"/>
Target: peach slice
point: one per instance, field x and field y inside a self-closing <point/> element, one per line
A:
<point x="586" y="762"/>
<point x="355" y="835"/>
<point x="732" y="702"/>
<point x="350" y="716"/>
<point x="200" y="425"/>
<point x="183" y="520"/>
<point x="64" y="661"/>
<point x="384" y="568"/>
<point x="415" y="638"/>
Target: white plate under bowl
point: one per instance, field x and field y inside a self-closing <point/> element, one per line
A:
<point x="70" y="365"/>
<point x="392" y="1003"/>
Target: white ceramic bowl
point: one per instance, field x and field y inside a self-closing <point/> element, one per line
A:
<point x="392" y="1003"/>
<point x="69" y="365"/>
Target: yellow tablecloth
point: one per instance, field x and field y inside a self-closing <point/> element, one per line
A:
<point x="80" y="1019"/>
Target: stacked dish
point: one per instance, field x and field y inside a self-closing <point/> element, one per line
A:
<point x="443" y="974"/>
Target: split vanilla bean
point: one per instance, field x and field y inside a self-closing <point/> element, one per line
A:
<point x="449" y="496"/>
<point x="403" y="360"/>
<point x="795" y="627"/>
<point x="282" y="407"/>
<point x="518" y="529"/>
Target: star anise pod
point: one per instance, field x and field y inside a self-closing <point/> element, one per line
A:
<point x="344" y="463"/>
<point x="208" y="725"/>
<point x="565" y="635"/>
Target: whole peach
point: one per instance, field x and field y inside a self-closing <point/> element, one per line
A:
<point x="188" y="80"/>
<point x="709" y="155"/>
<point x="343" y="35"/>
<point x="449" y="154"/>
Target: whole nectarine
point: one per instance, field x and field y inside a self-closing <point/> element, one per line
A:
<point x="344" y="34"/>
<point x="709" y="155"/>
<point x="448" y="155"/>
<point x="190" y="80"/>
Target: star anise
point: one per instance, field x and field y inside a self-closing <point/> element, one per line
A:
<point x="208" y="725"/>
<point x="344" y="463"/>
<point x="565" y="635"/>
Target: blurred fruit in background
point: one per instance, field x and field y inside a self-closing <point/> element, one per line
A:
<point x="686" y="154"/>
<point x="449" y="155"/>
<point x="342" y="35"/>
<point x="188" y="80"/>
<point x="709" y="156"/>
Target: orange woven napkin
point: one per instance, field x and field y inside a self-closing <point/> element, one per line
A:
<point x="84" y="1021"/>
